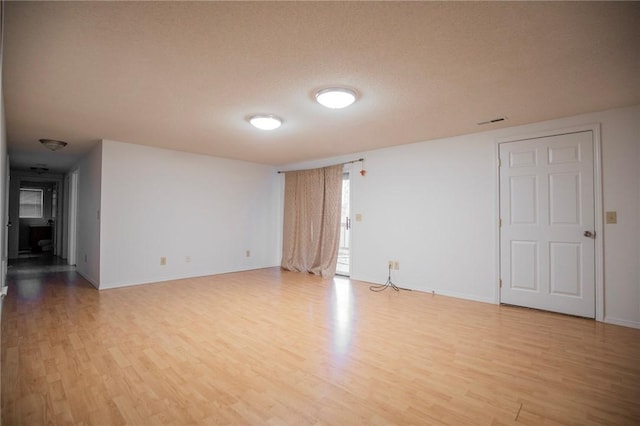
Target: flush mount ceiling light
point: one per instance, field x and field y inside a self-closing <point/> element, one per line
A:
<point x="52" y="144"/>
<point x="336" y="97"/>
<point x="265" y="122"/>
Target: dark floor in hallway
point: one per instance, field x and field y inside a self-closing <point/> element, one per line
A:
<point x="23" y="267"/>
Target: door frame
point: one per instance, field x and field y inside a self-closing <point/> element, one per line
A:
<point x="5" y="223"/>
<point x="597" y="200"/>
<point x="72" y="218"/>
<point x="347" y="172"/>
<point x="19" y="176"/>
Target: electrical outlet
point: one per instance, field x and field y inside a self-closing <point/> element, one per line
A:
<point x="187" y="259"/>
<point x="358" y="217"/>
<point x="396" y="265"/>
<point x="391" y="264"/>
<point x="163" y="261"/>
<point x="248" y="253"/>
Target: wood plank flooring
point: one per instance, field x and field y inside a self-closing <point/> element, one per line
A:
<point x="269" y="347"/>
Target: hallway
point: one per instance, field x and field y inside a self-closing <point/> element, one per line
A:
<point x="22" y="267"/>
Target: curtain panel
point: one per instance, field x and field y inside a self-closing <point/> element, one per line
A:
<point x="312" y="207"/>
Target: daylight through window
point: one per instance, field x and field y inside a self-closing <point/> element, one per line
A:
<point x="31" y="203"/>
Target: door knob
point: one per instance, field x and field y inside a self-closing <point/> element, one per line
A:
<point x="589" y="234"/>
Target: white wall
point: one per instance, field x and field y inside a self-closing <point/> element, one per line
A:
<point x="161" y="203"/>
<point x="13" y="212"/>
<point x="436" y="202"/>
<point x="64" y="200"/>
<point x="621" y="193"/>
<point x="88" y="226"/>
<point x="432" y="207"/>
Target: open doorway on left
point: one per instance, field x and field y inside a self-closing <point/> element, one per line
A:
<point x="36" y="219"/>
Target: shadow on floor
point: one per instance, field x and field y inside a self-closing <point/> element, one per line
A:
<point x="35" y="265"/>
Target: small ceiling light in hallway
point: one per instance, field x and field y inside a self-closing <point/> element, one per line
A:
<point x="336" y="97"/>
<point x="52" y="144"/>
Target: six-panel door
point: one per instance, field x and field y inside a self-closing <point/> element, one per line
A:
<point x="546" y="207"/>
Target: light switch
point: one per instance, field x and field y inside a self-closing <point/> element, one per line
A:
<point x="612" y="217"/>
<point x="358" y="217"/>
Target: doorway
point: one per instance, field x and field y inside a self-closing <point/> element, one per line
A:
<point x="548" y="205"/>
<point x="36" y="215"/>
<point x="344" y="252"/>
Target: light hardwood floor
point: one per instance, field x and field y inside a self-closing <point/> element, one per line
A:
<point x="273" y="347"/>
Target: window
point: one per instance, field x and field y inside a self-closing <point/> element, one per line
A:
<point x="31" y="203"/>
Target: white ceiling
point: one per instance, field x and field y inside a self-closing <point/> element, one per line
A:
<point x="185" y="76"/>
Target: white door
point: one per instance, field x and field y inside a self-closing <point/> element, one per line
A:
<point x="547" y="214"/>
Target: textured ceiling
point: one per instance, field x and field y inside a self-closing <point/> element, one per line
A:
<point x="185" y="76"/>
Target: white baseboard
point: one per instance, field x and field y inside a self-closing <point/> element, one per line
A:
<point x="622" y="322"/>
<point x="439" y="292"/>
<point x="107" y="286"/>
<point x="466" y="296"/>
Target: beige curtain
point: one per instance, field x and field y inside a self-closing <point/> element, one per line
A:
<point x="312" y="206"/>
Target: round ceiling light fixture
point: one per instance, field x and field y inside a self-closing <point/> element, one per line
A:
<point x="52" y="144"/>
<point x="336" y="97"/>
<point x="265" y="122"/>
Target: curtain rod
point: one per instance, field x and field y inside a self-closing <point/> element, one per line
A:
<point x="346" y="162"/>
